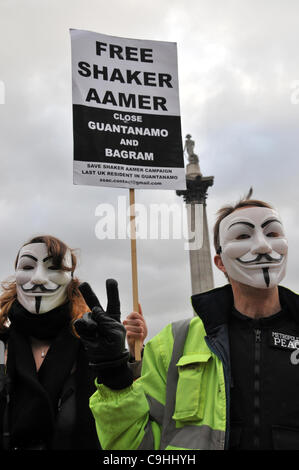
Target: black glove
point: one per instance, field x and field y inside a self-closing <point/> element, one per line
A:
<point x="113" y="305"/>
<point x="103" y="336"/>
<point x="89" y="295"/>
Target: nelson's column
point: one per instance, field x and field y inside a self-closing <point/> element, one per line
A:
<point x="195" y="197"/>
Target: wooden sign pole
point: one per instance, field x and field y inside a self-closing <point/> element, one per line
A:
<point x="138" y="344"/>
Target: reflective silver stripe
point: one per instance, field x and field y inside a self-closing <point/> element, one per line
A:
<point x="179" y="331"/>
<point x="156" y="414"/>
<point x="198" y="437"/>
<point x="189" y="437"/>
<point x="156" y="410"/>
<point x="148" y="438"/>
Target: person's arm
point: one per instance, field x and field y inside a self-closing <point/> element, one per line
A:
<point x="122" y="417"/>
<point x="121" y="407"/>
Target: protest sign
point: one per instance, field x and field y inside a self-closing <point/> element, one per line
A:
<point x="126" y="119"/>
<point x="126" y="113"/>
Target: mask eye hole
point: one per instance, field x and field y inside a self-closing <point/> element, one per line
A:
<point x="274" y="230"/>
<point x="273" y="234"/>
<point x="243" y="236"/>
<point x="27" y="268"/>
<point x="54" y="268"/>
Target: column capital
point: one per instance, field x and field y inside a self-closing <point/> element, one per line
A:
<point x="197" y="188"/>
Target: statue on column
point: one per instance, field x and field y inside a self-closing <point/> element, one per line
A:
<point x="189" y="147"/>
<point x="192" y="169"/>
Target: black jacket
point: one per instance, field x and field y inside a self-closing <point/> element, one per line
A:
<point x="48" y="409"/>
<point x="261" y="382"/>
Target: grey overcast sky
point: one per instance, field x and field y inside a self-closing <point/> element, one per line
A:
<point x="238" y="67"/>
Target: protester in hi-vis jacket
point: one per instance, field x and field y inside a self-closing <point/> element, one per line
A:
<point x="227" y="378"/>
<point x="45" y="379"/>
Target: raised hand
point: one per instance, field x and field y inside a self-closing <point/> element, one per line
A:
<point x="102" y="333"/>
<point x="136" y="329"/>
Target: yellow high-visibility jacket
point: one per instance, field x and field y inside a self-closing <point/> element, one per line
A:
<point x="181" y="399"/>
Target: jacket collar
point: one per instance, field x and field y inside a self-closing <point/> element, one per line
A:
<point x="215" y="306"/>
<point x="289" y="300"/>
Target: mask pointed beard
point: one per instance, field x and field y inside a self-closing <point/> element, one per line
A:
<point x="254" y="247"/>
<point x="266" y="276"/>
<point x="37" y="303"/>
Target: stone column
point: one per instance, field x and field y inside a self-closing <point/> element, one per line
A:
<point x="195" y="197"/>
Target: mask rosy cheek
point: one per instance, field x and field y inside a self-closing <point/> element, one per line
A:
<point x="236" y="250"/>
<point x="60" y="277"/>
<point x="22" y="277"/>
<point x="280" y="246"/>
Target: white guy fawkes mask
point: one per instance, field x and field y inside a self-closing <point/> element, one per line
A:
<point x="254" y="246"/>
<point x="41" y="287"/>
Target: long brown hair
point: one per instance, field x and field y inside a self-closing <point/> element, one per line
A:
<point x="57" y="249"/>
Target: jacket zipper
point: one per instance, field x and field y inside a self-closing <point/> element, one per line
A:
<point x="257" y="386"/>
